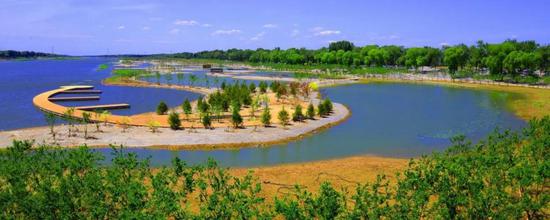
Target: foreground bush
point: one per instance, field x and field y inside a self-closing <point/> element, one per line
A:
<point x="502" y="177"/>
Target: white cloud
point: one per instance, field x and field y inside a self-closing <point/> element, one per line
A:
<point x="444" y="44"/>
<point x="270" y="26"/>
<point x="320" y="31"/>
<point x="121" y="27"/>
<point x="146" y="28"/>
<point x="258" y="36"/>
<point x="295" y="33"/>
<point x="206" y="25"/>
<point x="186" y="22"/>
<point x="226" y="32"/>
<point x="174" y="31"/>
<point x="326" y="33"/>
<point x="316" y="29"/>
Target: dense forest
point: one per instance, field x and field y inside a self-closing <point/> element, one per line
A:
<point x="505" y="176"/>
<point x="510" y="57"/>
<point x="13" y="54"/>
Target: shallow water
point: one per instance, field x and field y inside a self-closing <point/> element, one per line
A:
<point x="388" y="119"/>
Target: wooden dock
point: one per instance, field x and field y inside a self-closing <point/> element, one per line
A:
<point x="81" y="91"/>
<point x="75" y="98"/>
<point x="103" y="107"/>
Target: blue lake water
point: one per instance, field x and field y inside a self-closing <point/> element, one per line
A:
<point x="20" y="81"/>
<point x="388" y="119"/>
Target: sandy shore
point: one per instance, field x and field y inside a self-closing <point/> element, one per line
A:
<point x="198" y="138"/>
<point x="341" y="173"/>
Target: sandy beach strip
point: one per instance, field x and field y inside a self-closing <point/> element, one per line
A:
<point x="198" y="138"/>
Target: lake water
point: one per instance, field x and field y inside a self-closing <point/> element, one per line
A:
<point x="388" y="119"/>
<point x="20" y="81"/>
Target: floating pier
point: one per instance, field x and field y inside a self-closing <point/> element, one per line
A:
<point x="76" y="98"/>
<point x="103" y="107"/>
<point x="81" y="91"/>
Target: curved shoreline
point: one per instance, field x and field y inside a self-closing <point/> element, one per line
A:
<point x="202" y="139"/>
<point x="188" y="139"/>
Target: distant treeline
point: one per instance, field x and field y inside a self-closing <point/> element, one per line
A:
<point x="509" y="57"/>
<point x="13" y="54"/>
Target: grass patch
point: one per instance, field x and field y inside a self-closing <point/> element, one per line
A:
<point x="102" y="67"/>
<point x="123" y="75"/>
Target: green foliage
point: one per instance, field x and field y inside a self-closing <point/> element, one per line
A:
<point x="162" y="108"/>
<point x="174" y="121"/>
<point x="206" y="121"/>
<point x="187" y="109"/>
<point x="252" y="87"/>
<point x="129" y="72"/>
<point x="310" y="111"/>
<point x="50" y="118"/>
<point x="283" y="117"/>
<point x="236" y="117"/>
<point x="455" y="57"/>
<point x="341" y="45"/>
<point x="12" y="54"/>
<point x="266" y="117"/>
<point x="325" y="107"/>
<point x="504" y="176"/>
<point x="263" y="87"/>
<point x="103" y="66"/>
<point x="298" y="115"/>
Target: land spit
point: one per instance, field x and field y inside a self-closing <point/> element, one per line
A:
<point x="196" y="138"/>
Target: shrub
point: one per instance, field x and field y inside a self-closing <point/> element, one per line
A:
<point x="321" y="110"/>
<point x="236" y="118"/>
<point x="266" y="117"/>
<point x="187" y="109"/>
<point x="283" y="117"/>
<point x="310" y="111"/>
<point x="298" y="114"/>
<point x="207" y="121"/>
<point x="328" y="105"/>
<point x="263" y="87"/>
<point x="252" y="87"/>
<point x="162" y="108"/>
<point x="504" y="176"/>
<point x="174" y="121"/>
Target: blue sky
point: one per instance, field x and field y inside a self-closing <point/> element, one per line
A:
<point x="90" y="27"/>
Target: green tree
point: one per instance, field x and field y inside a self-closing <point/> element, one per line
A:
<point x="341" y="45"/>
<point x="252" y="87"/>
<point x="51" y="118"/>
<point x="455" y="57"/>
<point x="162" y="108"/>
<point x="187" y="109"/>
<point x="68" y="116"/>
<point x="263" y="87"/>
<point x="283" y="117"/>
<point x="86" y="119"/>
<point x="207" y="121"/>
<point x="236" y="118"/>
<point x="174" y="121"/>
<point x="298" y="115"/>
<point x="310" y="111"/>
<point x="266" y="117"/>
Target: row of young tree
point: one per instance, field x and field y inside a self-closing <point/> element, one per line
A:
<point x="508" y="57"/>
<point x="505" y="176"/>
<point x="234" y="97"/>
